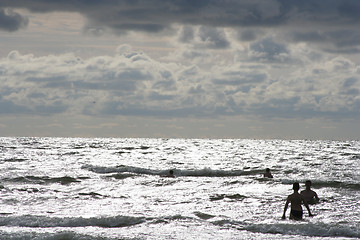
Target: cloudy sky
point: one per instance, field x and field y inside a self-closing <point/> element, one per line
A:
<point x="180" y="68"/>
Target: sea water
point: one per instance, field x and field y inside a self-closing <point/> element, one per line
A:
<point x="113" y="188"/>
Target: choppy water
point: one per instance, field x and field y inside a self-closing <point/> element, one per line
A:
<point x="76" y="188"/>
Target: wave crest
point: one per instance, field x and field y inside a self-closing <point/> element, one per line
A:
<point x="47" y="222"/>
<point x="205" y="172"/>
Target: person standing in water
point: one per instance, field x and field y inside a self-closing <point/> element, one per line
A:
<point x="296" y="199"/>
<point x="310" y="196"/>
<point x="267" y="173"/>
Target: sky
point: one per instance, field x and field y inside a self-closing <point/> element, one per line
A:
<point x="263" y="69"/>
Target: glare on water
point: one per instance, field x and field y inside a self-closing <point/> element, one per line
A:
<point x="113" y="188"/>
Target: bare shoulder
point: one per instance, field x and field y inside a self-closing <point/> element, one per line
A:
<point x="292" y="196"/>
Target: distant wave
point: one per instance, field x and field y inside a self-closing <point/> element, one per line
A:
<point x="42" y="180"/>
<point x="204" y="216"/>
<point x="205" y="172"/>
<point x="229" y="196"/>
<point x="14" y="160"/>
<point x="47" y="222"/>
<point x="303" y="228"/>
<point x="208" y="172"/>
<point x="118" y="173"/>
<point x="316" y="184"/>
<point x="336" y="184"/>
<point x="121" y="169"/>
<point x="291" y="228"/>
<point x="122" y="175"/>
<point x="286" y="227"/>
<point x="135" y="148"/>
<point x="62" y="235"/>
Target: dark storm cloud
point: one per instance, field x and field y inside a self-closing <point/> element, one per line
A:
<point x="350" y="10"/>
<point x="11" y="21"/>
<point x="156" y="15"/>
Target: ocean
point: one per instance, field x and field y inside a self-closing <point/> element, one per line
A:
<point x="114" y="188"/>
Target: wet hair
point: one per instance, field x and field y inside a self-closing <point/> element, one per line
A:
<point x="308" y="182"/>
<point x="267" y="169"/>
<point x="171" y="172"/>
<point x="296" y="186"/>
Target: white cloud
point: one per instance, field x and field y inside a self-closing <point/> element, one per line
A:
<point x="132" y="83"/>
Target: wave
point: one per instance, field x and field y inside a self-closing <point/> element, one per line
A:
<point x="48" y="222"/>
<point x="15" y="160"/>
<point x="336" y="184"/>
<point x="68" y="235"/>
<point x="270" y="226"/>
<point x="204" y="216"/>
<point x="121" y="169"/>
<point x="135" y="148"/>
<point x="317" y="184"/>
<point x="121" y="175"/>
<point x="208" y="172"/>
<point x="92" y="194"/>
<point x="205" y="172"/>
<point x="256" y="174"/>
<point x="43" y="180"/>
<point x="301" y="228"/>
<point x="217" y="197"/>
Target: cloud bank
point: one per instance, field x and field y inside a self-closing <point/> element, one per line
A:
<point x="154" y="15"/>
<point x="131" y="83"/>
<point x="332" y="24"/>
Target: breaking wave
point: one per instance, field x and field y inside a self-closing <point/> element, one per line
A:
<point x="43" y="180"/>
<point x="307" y="229"/>
<point x="205" y="172"/>
<point x="47" y="222"/>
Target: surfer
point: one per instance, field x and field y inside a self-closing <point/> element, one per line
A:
<point x="310" y="196"/>
<point x="267" y="173"/>
<point x="296" y="199"/>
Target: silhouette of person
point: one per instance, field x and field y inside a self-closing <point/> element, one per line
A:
<point x="296" y="199"/>
<point x="310" y="196"/>
<point x="171" y="174"/>
<point x="267" y="173"/>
